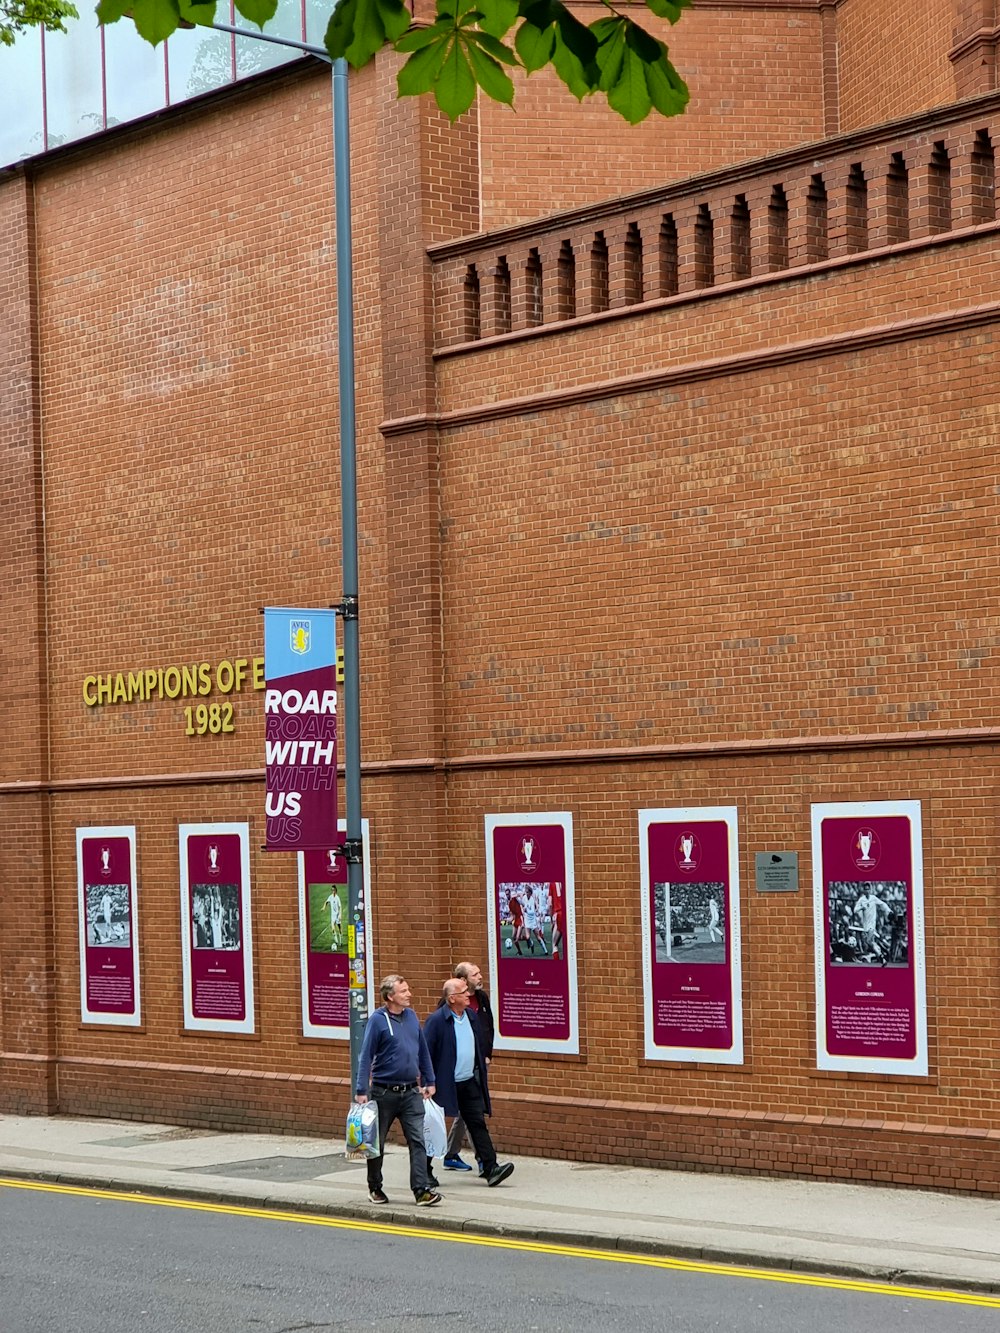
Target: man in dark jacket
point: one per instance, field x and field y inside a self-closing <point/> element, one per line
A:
<point x="479" y="1004"/>
<point x="456" y="1050"/>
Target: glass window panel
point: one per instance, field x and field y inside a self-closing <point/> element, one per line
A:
<point x="73" y="80"/>
<point x="251" y="56"/>
<point x="198" y="60"/>
<point x="136" y="80"/>
<point x="317" y="17"/>
<point x="21" y="81"/>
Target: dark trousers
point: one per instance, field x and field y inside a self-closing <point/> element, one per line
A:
<point x="472" y="1109"/>
<point x="408" y="1109"/>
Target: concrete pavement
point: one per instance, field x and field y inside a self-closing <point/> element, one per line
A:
<point x="904" y="1236"/>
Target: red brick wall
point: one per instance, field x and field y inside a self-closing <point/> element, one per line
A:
<point x="766" y="545"/>
<point x="26" y="961"/>
<point x="756" y="80"/>
<point x="893" y="59"/>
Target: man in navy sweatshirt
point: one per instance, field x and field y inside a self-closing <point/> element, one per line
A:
<point x="395" y="1066"/>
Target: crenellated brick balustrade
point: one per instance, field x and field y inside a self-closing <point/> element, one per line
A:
<point x="924" y="176"/>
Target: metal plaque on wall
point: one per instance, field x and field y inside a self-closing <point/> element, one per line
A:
<point x="777" y="872"/>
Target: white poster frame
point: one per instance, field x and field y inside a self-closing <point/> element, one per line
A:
<point x="864" y="810"/>
<point x="88" y="1015"/>
<point x="192" y="1023"/>
<point x="570" y="1045"/>
<point x="323" y="1031"/>
<point x="729" y="815"/>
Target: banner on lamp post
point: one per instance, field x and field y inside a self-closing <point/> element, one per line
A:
<point x="300" y="715"/>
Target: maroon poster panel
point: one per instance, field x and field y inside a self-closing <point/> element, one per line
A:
<point x="108" y="929"/>
<point x="326" y="957"/>
<point x="868" y="907"/>
<point x="692" y="935"/>
<point x="532" y="930"/>
<point x="215" y="928"/>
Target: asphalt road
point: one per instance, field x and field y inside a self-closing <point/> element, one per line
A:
<point x="78" y="1263"/>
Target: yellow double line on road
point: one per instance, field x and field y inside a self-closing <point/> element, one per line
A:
<point x="525" y="1246"/>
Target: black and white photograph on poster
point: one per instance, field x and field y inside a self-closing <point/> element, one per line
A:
<point x="215" y="916"/>
<point x="109" y="915"/>
<point x="690" y="922"/>
<point x="868" y="923"/>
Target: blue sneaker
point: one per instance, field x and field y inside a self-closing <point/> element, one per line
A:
<point x="456" y="1164"/>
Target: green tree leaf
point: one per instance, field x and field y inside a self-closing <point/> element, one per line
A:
<point x="356" y="31"/>
<point x="499" y="16"/>
<point x="610" y="34"/>
<point x="534" y="45"/>
<point x="461" y="50"/>
<point x="420" y="72"/>
<point x="155" y="19"/>
<point x="489" y="73"/>
<point x="192" y="11"/>
<point x="18" y="15"/>
<point x="668" y="9"/>
<point x="667" y="90"/>
<point x="455" y="86"/>
<point x="257" y="11"/>
<point x="629" y="95"/>
<point x="395" y="18"/>
<point x="417" y="38"/>
<point x="493" y="48"/>
<point x="580" y="78"/>
<point x="340" y="29"/>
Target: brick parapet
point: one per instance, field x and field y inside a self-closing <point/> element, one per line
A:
<point x="894" y="213"/>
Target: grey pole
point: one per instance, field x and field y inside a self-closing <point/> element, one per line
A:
<point x="349" y="529"/>
<point x="353" y="847"/>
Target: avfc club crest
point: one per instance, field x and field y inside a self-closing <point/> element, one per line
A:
<point x="300" y="636"/>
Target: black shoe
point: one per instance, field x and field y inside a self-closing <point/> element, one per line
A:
<point x="433" y="1182"/>
<point x="427" y="1198"/>
<point x="500" y="1173"/>
<point x="376" y="1196"/>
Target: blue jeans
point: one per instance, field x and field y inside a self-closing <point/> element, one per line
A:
<point x="408" y="1109"/>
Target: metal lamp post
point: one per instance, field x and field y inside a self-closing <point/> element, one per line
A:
<point x="353" y="846"/>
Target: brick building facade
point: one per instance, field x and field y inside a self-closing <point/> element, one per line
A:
<point x="674" y="491"/>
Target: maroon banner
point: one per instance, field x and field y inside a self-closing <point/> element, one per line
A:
<point x="869" y="918"/>
<point x="533" y="932"/>
<point x="109" y="989"/>
<point x="216" y="929"/>
<point x="691" y="917"/>
<point x="300" y="711"/>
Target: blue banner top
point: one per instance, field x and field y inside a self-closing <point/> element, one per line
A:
<point x="297" y="640"/>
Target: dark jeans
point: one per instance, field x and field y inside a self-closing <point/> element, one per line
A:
<point x="408" y="1109"/>
<point x="472" y="1109"/>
